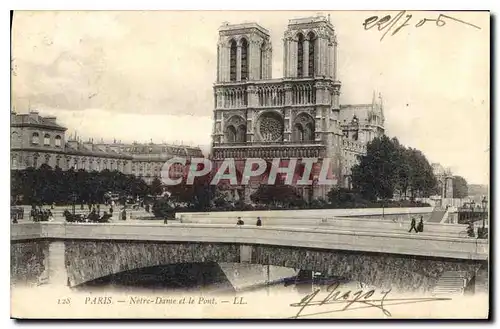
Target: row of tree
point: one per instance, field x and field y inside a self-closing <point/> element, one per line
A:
<point x="390" y="169"/>
<point x="45" y="185"/>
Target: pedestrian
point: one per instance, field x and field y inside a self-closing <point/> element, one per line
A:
<point x="124" y="215"/>
<point x="413" y="227"/>
<point x="240" y="222"/>
<point x="259" y="222"/>
<point x="420" y="226"/>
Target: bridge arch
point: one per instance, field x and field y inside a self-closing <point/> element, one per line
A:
<point x="91" y="260"/>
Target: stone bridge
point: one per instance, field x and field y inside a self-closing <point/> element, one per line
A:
<point x="72" y="254"/>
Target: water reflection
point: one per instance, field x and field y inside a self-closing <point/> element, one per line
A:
<point x="210" y="278"/>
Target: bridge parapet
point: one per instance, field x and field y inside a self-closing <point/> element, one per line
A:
<point x="76" y="253"/>
<point x="340" y="223"/>
<point x="312" y="238"/>
<point x="313" y="213"/>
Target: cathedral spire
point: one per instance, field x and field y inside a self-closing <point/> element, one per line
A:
<point x="381" y="106"/>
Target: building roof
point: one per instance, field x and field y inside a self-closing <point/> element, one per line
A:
<point x="365" y="114"/>
<point x="33" y="119"/>
<point x="226" y="27"/>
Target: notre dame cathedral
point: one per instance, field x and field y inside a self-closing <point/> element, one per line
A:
<point x="297" y="116"/>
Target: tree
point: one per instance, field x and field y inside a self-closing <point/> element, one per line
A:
<point x="197" y="195"/>
<point x="156" y="187"/>
<point x="460" y="187"/>
<point x="376" y="174"/>
<point x="422" y="179"/>
<point x="163" y="209"/>
<point x="279" y="194"/>
<point x="389" y="167"/>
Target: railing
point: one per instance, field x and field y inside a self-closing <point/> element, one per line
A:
<point x="354" y="146"/>
<point x="271" y="151"/>
<point x="303" y="93"/>
<point x="267" y="93"/>
<point x="395" y="243"/>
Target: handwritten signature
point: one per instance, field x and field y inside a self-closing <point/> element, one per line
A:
<point x="344" y="301"/>
<point x="396" y="23"/>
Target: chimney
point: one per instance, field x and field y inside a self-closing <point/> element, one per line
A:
<point x="34" y="115"/>
<point x="89" y="145"/>
<point x="73" y="143"/>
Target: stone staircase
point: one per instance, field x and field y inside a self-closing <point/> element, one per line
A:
<point x="437" y="215"/>
<point x="450" y="283"/>
<point x="482" y="284"/>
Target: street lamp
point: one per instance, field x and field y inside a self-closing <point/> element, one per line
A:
<point x="472" y="205"/>
<point x="73" y="198"/>
<point x="484" y="203"/>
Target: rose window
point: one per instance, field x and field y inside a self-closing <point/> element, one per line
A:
<point x="271" y="127"/>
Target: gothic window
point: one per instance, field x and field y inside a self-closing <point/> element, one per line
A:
<point x="47" y="158"/>
<point x="262" y="60"/>
<point x="244" y="59"/>
<point x="304" y="128"/>
<point x="14" y="162"/>
<point x="14" y="138"/>
<point x="46" y="139"/>
<point x="58" y="162"/>
<point x="312" y="44"/>
<point x="300" y="55"/>
<point x="299" y="132"/>
<point x="309" y="132"/>
<point x="218" y="61"/>
<point x="241" y="134"/>
<point x="355" y="135"/>
<point x="35" y="139"/>
<point x="58" y="140"/>
<point x="232" y="61"/>
<point x="35" y="161"/>
<point x="231" y="134"/>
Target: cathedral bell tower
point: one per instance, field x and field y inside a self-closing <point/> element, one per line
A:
<point x="310" y="58"/>
<point x="244" y="53"/>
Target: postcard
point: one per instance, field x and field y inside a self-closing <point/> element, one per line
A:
<point x="250" y="164"/>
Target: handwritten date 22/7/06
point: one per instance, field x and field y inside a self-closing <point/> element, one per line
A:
<point x="395" y="24"/>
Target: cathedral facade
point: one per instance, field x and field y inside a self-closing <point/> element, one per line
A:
<point x="297" y="116"/>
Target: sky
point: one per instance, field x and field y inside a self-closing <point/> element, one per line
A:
<point x="142" y="76"/>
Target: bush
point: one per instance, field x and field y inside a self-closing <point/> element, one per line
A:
<point x="163" y="209"/>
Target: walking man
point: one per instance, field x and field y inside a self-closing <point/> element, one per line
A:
<point x="259" y="222"/>
<point x="413" y="227"/>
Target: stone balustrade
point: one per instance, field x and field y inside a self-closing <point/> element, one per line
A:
<point x="315" y="238"/>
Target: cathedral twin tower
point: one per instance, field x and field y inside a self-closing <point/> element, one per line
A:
<point x="296" y="116"/>
<point x="245" y="53"/>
